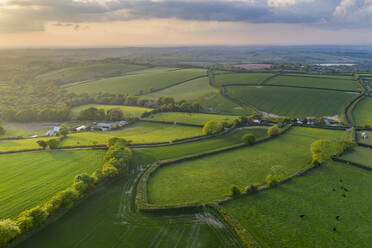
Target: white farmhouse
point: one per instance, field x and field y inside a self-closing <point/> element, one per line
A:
<point x="53" y="131"/>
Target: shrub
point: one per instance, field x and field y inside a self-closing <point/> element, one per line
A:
<point x="119" y="152"/>
<point x="84" y="178"/>
<point x="80" y="187"/>
<point x="212" y="127"/>
<point x="273" y="131"/>
<point x="234" y="191"/>
<point x="98" y="176"/>
<point x="272" y="180"/>
<point x="276" y="175"/>
<point x="31" y="218"/>
<point x="8" y="231"/>
<point x="42" y="143"/>
<point x="109" y="170"/>
<point x="251" y="189"/>
<point x="53" y="143"/>
<point x="249" y="139"/>
<point x="63" y="130"/>
<point x="67" y="198"/>
<point x="321" y="121"/>
<point x="114" y="140"/>
<point x="321" y="151"/>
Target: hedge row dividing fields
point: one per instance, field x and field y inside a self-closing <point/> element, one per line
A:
<point x="108" y="219"/>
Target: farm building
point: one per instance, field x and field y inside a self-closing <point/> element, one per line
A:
<point x="81" y="128"/>
<point x="364" y="135"/>
<point x="53" y="131"/>
<point x="108" y="126"/>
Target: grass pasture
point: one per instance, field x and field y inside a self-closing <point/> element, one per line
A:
<point x="87" y="72"/>
<point x="128" y="111"/>
<point x="190" y="118"/>
<point x="176" y="151"/>
<point x="292" y="102"/>
<point x="362" y="113"/>
<point x="30" y="179"/>
<point x="140" y="132"/>
<point x="108" y="219"/>
<point x="315" y="82"/>
<point x="361" y="155"/>
<point x="137" y="84"/>
<point x="273" y="216"/>
<point x="240" y="78"/>
<point x="209" y="178"/>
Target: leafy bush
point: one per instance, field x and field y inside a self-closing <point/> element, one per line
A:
<point x="249" y="138"/>
<point x="85" y="178"/>
<point x="42" y="143"/>
<point x="109" y="171"/>
<point x="80" y="187"/>
<point x="62" y="200"/>
<point x="114" y="140"/>
<point x="53" y="143"/>
<point x="31" y="218"/>
<point x="273" y="131"/>
<point x="321" y="151"/>
<point x="212" y="127"/>
<point x="234" y="191"/>
<point x="8" y="231"/>
<point x="98" y="176"/>
<point x="251" y="189"/>
<point x="276" y="175"/>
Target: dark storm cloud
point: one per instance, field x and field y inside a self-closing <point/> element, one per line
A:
<point x="32" y="15"/>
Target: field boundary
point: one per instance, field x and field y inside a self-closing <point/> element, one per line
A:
<point x="141" y="197"/>
<point x="361" y="166"/>
<point x="172" y="123"/>
<point x="172" y="85"/>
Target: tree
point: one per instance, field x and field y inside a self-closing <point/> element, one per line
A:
<point x="2" y="130"/>
<point x="212" y="127"/>
<point x="31" y="218"/>
<point x="63" y="130"/>
<point x="114" y="140"/>
<point x="85" y="178"/>
<point x="251" y="189"/>
<point x="53" y="144"/>
<point x="249" y="139"/>
<point x="273" y="131"/>
<point x="321" y="121"/>
<point x="234" y="191"/>
<point x="109" y="170"/>
<point x="8" y="231"/>
<point x="42" y="143"/>
<point x="114" y="114"/>
<point x="277" y="173"/>
<point x="322" y="150"/>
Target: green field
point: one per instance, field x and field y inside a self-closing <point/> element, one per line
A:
<point x="209" y="178"/>
<point x="31" y="178"/>
<point x="137" y="83"/>
<point x="342" y="77"/>
<point x="140" y="132"/>
<point x="361" y="155"/>
<point x="316" y="82"/>
<point x="176" y="151"/>
<point x="190" y="118"/>
<point x="241" y="78"/>
<point x="13" y="129"/>
<point x="128" y="111"/>
<point x="87" y="72"/>
<point x="108" y="219"/>
<point x="191" y="90"/>
<point x="362" y="113"/>
<point x="365" y="141"/>
<point x="273" y="216"/>
<point x="292" y="102"/>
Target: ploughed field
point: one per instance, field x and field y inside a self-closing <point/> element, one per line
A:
<point x="32" y="178"/>
<point x="136" y="84"/>
<point x="303" y="212"/>
<point x="208" y="178"/>
<point x="107" y="218"/>
<point x="292" y="102"/>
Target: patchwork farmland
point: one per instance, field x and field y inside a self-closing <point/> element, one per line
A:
<point x="162" y="155"/>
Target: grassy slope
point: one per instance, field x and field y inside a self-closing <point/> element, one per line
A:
<point x="340" y="84"/>
<point x="241" y="78"/>
<point x="361" y="155"/>
<point x="293" y="102"/>
<point x="190" y="118"/>
<point x="272" y="216"/>
<point x="128" y="111"/>
<point x="85" y="72"/>
<point x="29" y="179"/>
<point x="209" y="178"/>
<point x="176" y="151"/>
<point x="137" y="83"/>
<point x="108" y="219"/>
<point x="140" y="132"/>
<point x="362" y="113"/>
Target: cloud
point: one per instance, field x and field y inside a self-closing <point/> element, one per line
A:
<point x="33" y="15"/>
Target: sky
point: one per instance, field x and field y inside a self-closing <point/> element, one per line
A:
<point x="97" y="23"/>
